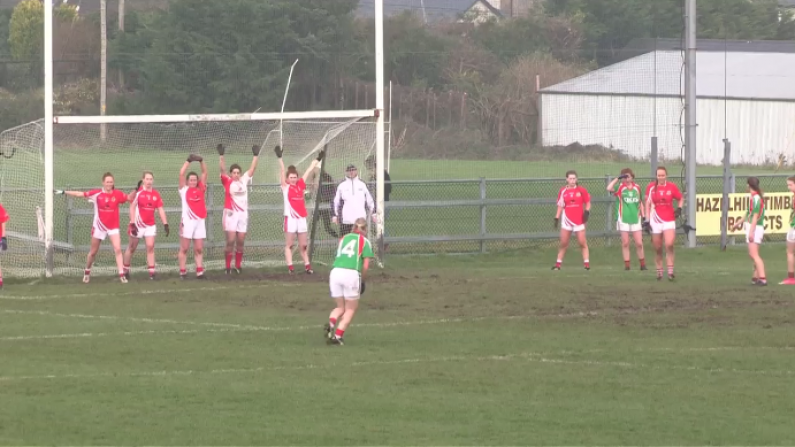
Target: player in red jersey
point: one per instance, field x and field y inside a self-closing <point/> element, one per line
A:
<point x="660" y="197"/>
<point x="574" y="208"/>
<point x="192" y="190"/>
<point x="144" y="201"/>
<point x="293" y="189"/>
<point x="790" y="281"/>
<point x="106" y="203"/>
<point x="235" y="219"/>
<point x="3" y="239"/>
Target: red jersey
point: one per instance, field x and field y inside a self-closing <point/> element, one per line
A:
<point x="146" y="203"/>
<point x="236" y="197"/>
<point x="193" y="205"/>
<point x="573" y="201"/>
<point x="3" y="219"/>
<point x="294" y="205"/>
<point x="662" y="197"/>
<point x="106" y="207"/>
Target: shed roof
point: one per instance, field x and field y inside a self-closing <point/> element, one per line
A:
<point x="739" y="75"/>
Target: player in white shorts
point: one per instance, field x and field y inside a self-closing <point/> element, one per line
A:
<point x="790" y="281"/>
<point x="192" y="190"/>
<point x="235" y="219"/>
<point x="754" y="224"/>
<point x="144" y="202"/>
<point x="293" y="189"/>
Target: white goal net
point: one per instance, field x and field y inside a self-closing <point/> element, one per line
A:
<point x="132" y="145"/>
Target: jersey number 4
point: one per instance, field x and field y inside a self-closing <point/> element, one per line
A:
<point x="349" y="249"/>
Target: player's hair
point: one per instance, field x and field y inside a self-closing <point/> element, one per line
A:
<point x="791" y="179"/>
<point x="291" y="170"/>
<point x="360" y="226"/>
<point x="659" y="168"/>
<point x="149" y="173"/>
<point x="572" y="172"/>
<point x="106" y="175"/>
<point x="753" y="183"/>
<point x="235" y="166"/>
<point x="187" y="177"/>
<point x="628" y="171"/>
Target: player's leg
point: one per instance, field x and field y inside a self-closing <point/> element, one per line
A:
<point x="115" y="242"/>
<point x="289" y="240"/>
<point x="150" y="255"/>
<point x="657" y="243"/>
<point x="337" y="292"/>
<point x="1" y="278"/>
<point x="669" y="235"/>
<point x="92" y="253"/>
<point x="182" y="256"/>
<point x="198" y="256"/>
<point x="625" y="248"/>
<point x="638" y="237"/>
<point x="231" y="237"/>
<point x="583" y="241"/>
<point x="303" y="245"/>
<point x="132" y="245"/>
<point x="757" y="235"/>
<point x="790" y="281"/>
<point x="240" y="243"/>
<point x="565" y="235"/>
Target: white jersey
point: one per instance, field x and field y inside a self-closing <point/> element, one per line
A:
<point x="236" y="197"/>
<point x="352" y="200"/>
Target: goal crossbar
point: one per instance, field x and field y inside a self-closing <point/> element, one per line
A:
<point x="146" y="119"/>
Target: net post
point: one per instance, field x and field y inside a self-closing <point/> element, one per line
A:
<point x="48" y="141"/>
<point x="483" y="215"/>
<point x="727" y="184"/>
<point x="379" y="129"/>
<point x="318" y="200"/>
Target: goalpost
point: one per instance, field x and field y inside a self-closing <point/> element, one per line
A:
<point x="66" y="152"/>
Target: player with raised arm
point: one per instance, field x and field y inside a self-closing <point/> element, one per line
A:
<point x="144" y="201"/>
<point x="192" y="190"/>
<point x="790" y="281"/>
<point x="629" y="214"/>
<point x="106" y="203"/>
<point x="235" y="218"/>
<point x="660" y="197"/>
<point x="346" y="280"/>
<point x="754" y="225"/>
<point x="293" y="189"/>
<point x="574" y="208"/>
<point x="3" y="238"/>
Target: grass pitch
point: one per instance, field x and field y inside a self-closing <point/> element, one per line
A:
<point x="470" y="350"/>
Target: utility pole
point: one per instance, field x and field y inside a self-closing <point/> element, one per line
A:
<point x="690" y="116"/>
<point x="121" y="30"/>
<point x="103" y="73"/>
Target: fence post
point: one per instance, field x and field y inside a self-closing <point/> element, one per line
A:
<point x="733" y="185"/>
<point x="482" y="214"/>
<point x="609" y="215"/>
<point x="69" y="229"/>
<point x="210" y="213"/>
<point x="724" y="209"/>
<point x="653" y="157"/>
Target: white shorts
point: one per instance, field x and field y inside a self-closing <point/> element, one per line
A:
<point x="344" y="283"/>
<point x="658" y="226"/>
<point x="628" y="228"/>
<point x="100" y="234"/>
<point x="144" y="232"/>
<point x="193" y="229"/>
<point x="791" y="235"/>
<point x="566" y="224"/>
<point x="295" y="224"/>
<point x="236" y="221"/>
<point x="756" y="235"/>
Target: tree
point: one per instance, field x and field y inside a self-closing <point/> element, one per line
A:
<point x="26" y="30"/>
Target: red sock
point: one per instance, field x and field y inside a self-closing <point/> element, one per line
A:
<point x="339" y="333"/>
<point x="307" y="267"/>
<point x="642" y="262"/>
<point x="790" y="275"/>
<point x="331" y="321"/>
<point x="290" y="267"/>
<point x="626" y="264"/>
<point x="238" y="260"/>
<point x="126" y="267"/>
<point x="228" y="261"/>
<point x="151" y="270"/>
<point x="199" y="271"/>
<point x="183" y="272"/>
<point x="121" y="275"/>
<point x="587" y="264"/>
<point x="557" y="264"/>
<point x="87" y="272"/>
<point x="1" y="282"/>
<point x="670" y="270"/>
<point x="763" y="279"/>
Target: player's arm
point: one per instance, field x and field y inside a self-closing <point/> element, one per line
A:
<point x="368" y="200"/>
<point x="314" y="164"/>
<point x="337" y="208"/>
<point x="679" y="203"/>
<point x="282" y="178"/>
<point x="254" y="150"/>
<point x="182" y="172"/>
<point x="80" y="194"/>
<point x="221" y="163"/>
<point x="133" y="204"/>
<point x="204" y="172"/>
<point x="611" y="187"/>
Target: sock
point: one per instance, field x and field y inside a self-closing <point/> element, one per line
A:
<point x="199" y="271"/>
<point x="790" y="275"/>
<point x="183" y="272"/>
<point x="331" y="321"/>
<point x="151" y="270"/>
<point x="228" y="261"/>
<point x="753" y="279"/>
<point x="87" y="272"/>
<point x="763" y="279"/>
<point x="1" y="282"/>
<point x="290" y="267"/>
<point x="626" y="264"/>
<point x="587" y="263"/>
<point x="659" y="272"/>
<point x="558" y="262"/>
<point x="121" y="275"/>
<point x="126" y="268"/>
<point x="338" y="333"/>
<point x="670" y="270"/>
<point x="238" y="260"/>
<point x="642" y="262"/>
<point x="307" y="267"/>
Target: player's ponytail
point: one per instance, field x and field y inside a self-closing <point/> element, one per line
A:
<point x="753" y="183"/>
<point x="360" y="226"/>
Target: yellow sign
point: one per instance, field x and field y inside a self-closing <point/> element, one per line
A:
<point x="778" y="206"/>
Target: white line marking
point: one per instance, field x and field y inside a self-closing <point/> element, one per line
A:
<point x="146" y="292"/>
<point x="527" y="356"/>
<point x="137" y="320"/>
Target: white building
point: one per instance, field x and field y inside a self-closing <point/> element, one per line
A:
<point x="747" y="97"/>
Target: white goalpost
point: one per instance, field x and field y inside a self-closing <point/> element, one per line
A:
<point x="50" y="235"/>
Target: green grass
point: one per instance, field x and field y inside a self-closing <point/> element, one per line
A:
<point x="447" y="350"/>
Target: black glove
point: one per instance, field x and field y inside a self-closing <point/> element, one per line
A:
<point x="278" y="151"/>
<point x="194" y="157"/>
<point x="646" y="226"/>
<point x="585" y="215"/>
<point x="59" y="192"/>
<point x="165" y="227"/>
<point x="133" y="229"/>
<point x="678" y="213"/>
<point x="321" y="155"/>
<point x="623" y="176"/>
<point x="555" y="225"/>
<point x="221" y="149"/>
<point x="3" y="244"/>
<point x="361" y="288"/>
<point x="255" y="150"/>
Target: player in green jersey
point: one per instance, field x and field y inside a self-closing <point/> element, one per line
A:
<point x="628" y="214"/>
<point x="346" y="280"/>
<point x="790" y="281"/>
<point x="754" y="225"/>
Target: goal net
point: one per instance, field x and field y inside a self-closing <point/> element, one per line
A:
<point x="127" y="146"/>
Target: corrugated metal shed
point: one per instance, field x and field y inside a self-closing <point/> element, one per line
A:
<point x="736" y="75"/>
